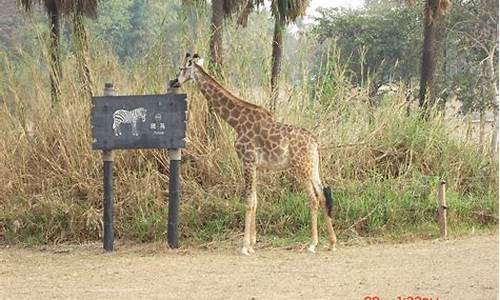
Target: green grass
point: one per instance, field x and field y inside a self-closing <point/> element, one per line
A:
<point x="384" y="183"/>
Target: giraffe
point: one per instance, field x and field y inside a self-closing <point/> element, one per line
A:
<point x="264" y="144"/>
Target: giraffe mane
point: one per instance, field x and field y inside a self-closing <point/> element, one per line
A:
<point x="241" y="101"/>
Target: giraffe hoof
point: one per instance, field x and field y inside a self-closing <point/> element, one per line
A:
<point x="312" y="249"/>
<point x="251" y="251"/>
<point x="244" y="251"/>
<point x="332" y="248"/>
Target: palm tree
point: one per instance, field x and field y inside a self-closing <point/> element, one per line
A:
<point x="221" y="10"/>
<point x="247" y="10"/>
<point x="284" y="12"/>
<point x="433" y="13"/>
<point x="77" y="9"/>
<point x="53" y="9"/>
<point x="190" y="9"/>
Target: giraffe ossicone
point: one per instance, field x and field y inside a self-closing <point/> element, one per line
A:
<point x="262" y="143"/>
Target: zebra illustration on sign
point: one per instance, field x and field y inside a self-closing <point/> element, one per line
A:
<point x="123" y="116"/>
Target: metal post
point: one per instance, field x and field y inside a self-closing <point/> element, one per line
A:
<point x="443" y="230"/>
<point x="107" y="158"/>
<point x="173" y="192"/>
<point x="173" y="197"/>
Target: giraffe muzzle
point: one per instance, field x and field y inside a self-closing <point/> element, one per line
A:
<point x="174" y="83"/>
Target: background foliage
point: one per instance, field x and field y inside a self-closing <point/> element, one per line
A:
<point x="382" y="160"/>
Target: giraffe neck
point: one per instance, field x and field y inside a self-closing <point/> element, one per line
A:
<point x="222" y="102"/>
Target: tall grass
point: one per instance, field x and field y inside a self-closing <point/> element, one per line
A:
<point x="383" y="172"/>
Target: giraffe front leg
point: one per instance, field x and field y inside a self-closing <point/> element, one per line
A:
<point x="247" y="249"/>
<point x="250" y="192"/>
<point x="253" y="228"/>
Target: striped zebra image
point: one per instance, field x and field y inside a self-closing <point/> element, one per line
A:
<point x="123" y="116"/>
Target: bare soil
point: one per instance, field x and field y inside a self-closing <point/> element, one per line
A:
<point x="456" y="269"/>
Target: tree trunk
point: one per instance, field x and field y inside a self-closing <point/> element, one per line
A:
<point x="468" y="123"/>
<point x="216" y="52"/>
<point x="493" y="95"/>
<point x="279" y="29"/>
<point x="81" y="51"/>
<point x="443" y="97"/>
<point x="55" y="73"/>
<point x="243" y="18"/>
<point x="428" y="60"/>
<point x="482" y="124"/>
<point x="216" y="27"/>
<point x="494" y="135"/>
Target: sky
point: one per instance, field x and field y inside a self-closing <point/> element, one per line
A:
<point x="315" y="4"/>
<point x="333" y="3"/>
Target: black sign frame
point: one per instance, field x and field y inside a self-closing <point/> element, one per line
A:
<point x="139" y="121"/>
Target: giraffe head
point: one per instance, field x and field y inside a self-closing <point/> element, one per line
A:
<point x="187" y="70"/>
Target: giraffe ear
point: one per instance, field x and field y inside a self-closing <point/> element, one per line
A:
<point x="199" y="62"/>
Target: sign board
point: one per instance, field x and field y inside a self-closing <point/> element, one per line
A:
<point x="139" y="122"/>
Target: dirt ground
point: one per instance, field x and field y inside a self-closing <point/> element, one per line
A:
<point x="456" y="269"/>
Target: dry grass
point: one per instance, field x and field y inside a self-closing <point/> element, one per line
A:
<point x="383" y="173"/>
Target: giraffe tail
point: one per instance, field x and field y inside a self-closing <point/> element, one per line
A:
<point x="327" y="191"/>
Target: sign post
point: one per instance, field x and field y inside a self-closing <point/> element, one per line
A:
<point x="173" y="197"/>
<point x="107" y="159"/>
<point x="139" y="122"/>
<point x="174" y="156"/>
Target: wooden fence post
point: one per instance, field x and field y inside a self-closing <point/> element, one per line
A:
<point x="443" y="230"/>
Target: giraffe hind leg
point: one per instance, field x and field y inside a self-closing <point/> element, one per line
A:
<point x="250" y="203"/>
<point x="301" y="169"/>
<point x="313" y="204"/>
<point x="322" y="196"/>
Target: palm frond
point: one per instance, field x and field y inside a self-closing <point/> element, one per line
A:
<point x="231" y="7"/>
<point x="48" y="4"/>
<point x="444" y="6"/>
<point x="243" y="18"/>
<point x="193" y="2"/>
<point x="26" y="4"/>
<point x="247" y="10"/>
<point x="289" y="10"/>
<point x="82" y="7"/>
<point x="86" y="8"/>
<point x="434" y="9"/>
